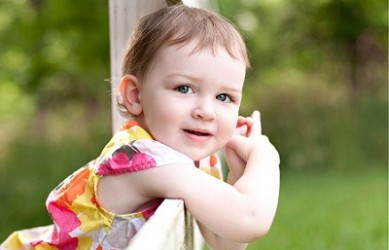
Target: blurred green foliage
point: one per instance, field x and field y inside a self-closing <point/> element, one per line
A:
<point x="319" y="78"/>
<point x="56" y="51"/>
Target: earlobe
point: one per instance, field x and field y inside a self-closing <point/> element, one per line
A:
<point x="129" y="89"/>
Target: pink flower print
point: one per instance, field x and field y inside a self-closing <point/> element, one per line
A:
<point x="103" y="169"/>
<point x="65" y="222"/>
<point x="142" y="161"/>
<point x="150" y="210"/>
<point x="126" y="159"/>
<point x="119" y="161"/>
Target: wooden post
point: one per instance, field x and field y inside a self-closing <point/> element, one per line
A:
<point x="172" y="226"/>
<point x="123" y="16"/>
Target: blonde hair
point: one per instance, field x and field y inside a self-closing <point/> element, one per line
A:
<point x="180" y="24"/>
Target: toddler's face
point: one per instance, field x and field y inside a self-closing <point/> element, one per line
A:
<point x="191" y="100"/>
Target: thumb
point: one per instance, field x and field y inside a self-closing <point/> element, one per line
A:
<point x="256" y="126"/>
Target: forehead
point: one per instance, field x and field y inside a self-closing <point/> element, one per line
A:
<point x="191" y="53"/>
<point x="207" y="65"/>
<point x="196" y="45"/>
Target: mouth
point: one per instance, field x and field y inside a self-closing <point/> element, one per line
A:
<point x="197" y="132"/>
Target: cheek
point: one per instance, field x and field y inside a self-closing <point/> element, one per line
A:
<point x="161" y="118"/>
<point x="155" y="106"/>
<point x="156" y="118"/>
<point x="228" y="126"/>
<point x="230" y="130"/>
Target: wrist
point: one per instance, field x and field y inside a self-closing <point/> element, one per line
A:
<point x="233" y="177"/>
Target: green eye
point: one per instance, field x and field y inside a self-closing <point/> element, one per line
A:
<point x="183" y="89"/>
<point x="224" y="98"/>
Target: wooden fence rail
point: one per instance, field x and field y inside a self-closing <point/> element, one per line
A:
<point x="171" y="228"/>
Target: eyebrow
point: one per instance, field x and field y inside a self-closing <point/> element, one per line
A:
<point x="239" y="91"/>
<point x="193" y="78"/>
<point x="185" y="75"/>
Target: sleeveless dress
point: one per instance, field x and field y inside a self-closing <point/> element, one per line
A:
<point x="79" y="219"/>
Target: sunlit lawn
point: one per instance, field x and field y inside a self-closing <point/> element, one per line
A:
<point x="330" y="211"/>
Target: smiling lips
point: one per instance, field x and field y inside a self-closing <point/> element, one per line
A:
<point x="198" y="135"/>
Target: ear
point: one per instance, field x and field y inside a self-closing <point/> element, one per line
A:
<point x="129" y="89"/>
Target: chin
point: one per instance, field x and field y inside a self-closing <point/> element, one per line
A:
<point x="192" y="154"/>
<point x="197" y="157"/>
<point x="194" y="157"/>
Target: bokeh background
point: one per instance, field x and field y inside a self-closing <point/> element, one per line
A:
<point x="319" y="77"/>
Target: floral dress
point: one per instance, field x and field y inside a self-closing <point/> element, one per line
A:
<point x="79" y="219"/>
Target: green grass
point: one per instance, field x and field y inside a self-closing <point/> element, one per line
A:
<point x="330" y="211"/>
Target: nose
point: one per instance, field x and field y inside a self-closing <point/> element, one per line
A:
<point x="204" y="111"/>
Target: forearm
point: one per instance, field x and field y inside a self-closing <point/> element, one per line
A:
<point x="235" y="164"/>
<point x="234" y="176"/>
<point x="243" y="213"/>
<point x="260" y="185"/>
<point x="258" y="179"/>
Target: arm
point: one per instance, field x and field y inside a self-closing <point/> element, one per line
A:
<point x="251" y="202"/>
<point x="236" y="169"/>
<point x="240" y="213"/>
<point x="240" y="152"/>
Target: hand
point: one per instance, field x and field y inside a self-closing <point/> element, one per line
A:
<point x="235" y="162"/>
<point x="247" y="139"/>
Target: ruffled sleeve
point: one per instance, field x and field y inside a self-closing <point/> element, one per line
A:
<point x="139" y="155"/>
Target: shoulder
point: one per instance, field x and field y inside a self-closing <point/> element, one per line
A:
<point x="133" y="149"/>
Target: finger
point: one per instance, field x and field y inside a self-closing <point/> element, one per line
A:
<point x="258" y="118"/>
<point x="239" y="145"/>
<point x="232" y="158"/>
<point x="236" y="142"/>
<point x="242" y="126"/>
<point x="242" y="130"/>
<point x="256" y="127"/>
<point x="241" y="121"/>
